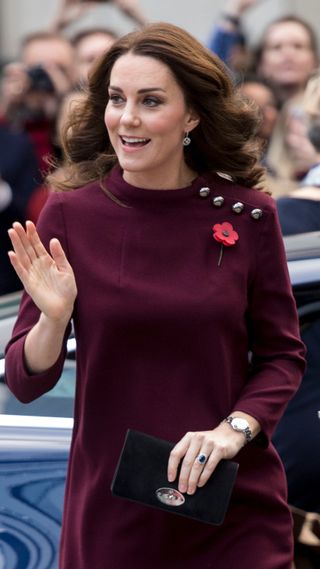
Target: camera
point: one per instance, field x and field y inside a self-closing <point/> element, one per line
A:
<point x="40" y="80"/>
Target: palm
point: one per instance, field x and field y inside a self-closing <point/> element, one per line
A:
<point x="48" y="279"/>
<point x="49" y="286"/>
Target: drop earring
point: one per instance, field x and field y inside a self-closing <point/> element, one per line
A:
<point x="187" y="140"/>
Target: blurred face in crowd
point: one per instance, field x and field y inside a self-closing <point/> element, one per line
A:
<point x="147" y="118"/>
<point x="88" y="50"/>
<point x="287" y="57"/>
<point x="265" y="99"/>
<point x="53" y="54"/>
<point x="311" y="105"/>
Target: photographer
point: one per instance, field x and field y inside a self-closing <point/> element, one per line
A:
<point x="33" y="87"/>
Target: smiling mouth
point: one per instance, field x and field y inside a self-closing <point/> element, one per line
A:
<point x="134" y="141"/>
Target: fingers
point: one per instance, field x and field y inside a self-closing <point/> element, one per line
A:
<point x="27" y="248"/>
<point x="193" y="465"/>
<point x="22" y="246"/>
<point x="176" y="455"/>
<point x="198" y="461"/>
<point x="58" y="255"/>
<point x="26" y="243"/>
<point x="21" y="272"/>
<point x="198" y="453"/>
<point x="210" y="466"/>
<point x="34" y="239"/>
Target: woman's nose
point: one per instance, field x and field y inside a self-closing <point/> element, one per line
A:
<point x="130" y="116"/>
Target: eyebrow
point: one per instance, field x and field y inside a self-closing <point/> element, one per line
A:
<point x="141" y="91"/>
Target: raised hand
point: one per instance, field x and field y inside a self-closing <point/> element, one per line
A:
<point x="132" y="9"/>
<point x="47" y="278"/>
<point x="69" y="11"/>
<point x="239" y="7"/>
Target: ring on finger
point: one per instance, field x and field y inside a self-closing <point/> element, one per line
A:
<point x="201" y="458"/>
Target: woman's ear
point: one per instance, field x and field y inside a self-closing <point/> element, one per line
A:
<point x="192" y="121"/>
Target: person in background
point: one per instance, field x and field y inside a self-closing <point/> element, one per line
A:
<point x="89" y="45"/>
<point x="263" y="94"/>
<point x="299" y="212"/>
<point x="228" y="39"/>
<point x="33" y="87"/>
<point x="19" y="179"/>
<point x="288" y="55"/>
<point x="31" y="93"/>
<point x="291" y="153"/>
<point x="170" y="263"/>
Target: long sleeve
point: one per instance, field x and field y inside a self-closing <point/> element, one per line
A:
<point x="277" y="351"/>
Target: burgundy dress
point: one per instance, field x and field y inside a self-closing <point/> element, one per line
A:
<point x="163" y="335"/>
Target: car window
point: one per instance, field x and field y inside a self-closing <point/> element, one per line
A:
<point x="59" y="401"/>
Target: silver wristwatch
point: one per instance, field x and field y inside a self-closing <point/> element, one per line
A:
<point x="241" y="425"/>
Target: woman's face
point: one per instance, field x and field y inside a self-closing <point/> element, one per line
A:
<point x="147" y="118"/>
<point x="287" y="57"/>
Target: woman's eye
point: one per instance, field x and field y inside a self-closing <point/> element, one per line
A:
<point x="275" y="47"/>
<point x="151" y="101"/>
<point x="299" y="46"/>
<point x="116" y="99"/>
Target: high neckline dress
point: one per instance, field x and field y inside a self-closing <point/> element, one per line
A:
<point x="163" y="336"/>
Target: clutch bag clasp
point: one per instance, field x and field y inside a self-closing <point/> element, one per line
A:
<point x="170" y="497"/>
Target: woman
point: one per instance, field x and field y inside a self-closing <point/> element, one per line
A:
<point x="299" y="211"/>
<point x="164" y="314"/>
<point x="288" y="56"/>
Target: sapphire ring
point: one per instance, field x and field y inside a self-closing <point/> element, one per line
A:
<point x="201" y="458"/>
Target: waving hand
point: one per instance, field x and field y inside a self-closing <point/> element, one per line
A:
<point x="47" y="278"/>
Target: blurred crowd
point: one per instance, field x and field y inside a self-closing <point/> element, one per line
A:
<point x="279" y="77"/>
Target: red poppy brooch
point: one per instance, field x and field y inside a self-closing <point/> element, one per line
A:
<point x="225" y="235"/>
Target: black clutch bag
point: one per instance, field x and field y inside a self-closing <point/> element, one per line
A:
<point x="141" y="476"/>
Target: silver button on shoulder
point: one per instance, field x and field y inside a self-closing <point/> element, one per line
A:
<point x="238" y="207"/>
<point x="204" y="192"/>
<point x="256" y="213"/>
<point x="218" y="201"/>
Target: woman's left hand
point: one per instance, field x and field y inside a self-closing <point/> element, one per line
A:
<point x="221" y="442"/>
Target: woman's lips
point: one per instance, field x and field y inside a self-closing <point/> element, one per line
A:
<point x="134" y="141"/>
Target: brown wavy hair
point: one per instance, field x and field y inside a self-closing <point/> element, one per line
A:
<point x="224" y="141"/>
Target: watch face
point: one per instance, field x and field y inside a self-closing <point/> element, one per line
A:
<point x="239" y="424"/>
